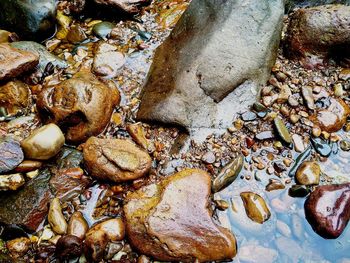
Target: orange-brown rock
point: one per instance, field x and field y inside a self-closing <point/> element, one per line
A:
<point x="15" y="97"/>
<point x="170" y="220"/>
<point x="82" y="106"/>
<point x="334" y="117"/>
<point x="14" y="62"/>
<point x="115" y="159"/>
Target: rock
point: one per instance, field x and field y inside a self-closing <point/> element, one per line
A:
<point x="344" y="74"/>
<point x="100" y="235"/>
<point x="333" y="118"/>
<point x="129" y="6"/>
<point x="28" y="166"/>
<point x="344" y="145"/>
<point x="45" y="56"/>
<point x="308" y="173"/>
<point x="315" y="34"/>
<point x="265" y="135"/>
<point x="14" y="62"/>
<point x="103" y="29"/>
<point x="11" y="154"/>
<point x="28" y="206"/>
<point x="282" y="131"/>
<point x="257" y="254"/>
<point x="15" y="97"/>
<point x="28" y="18"/>
<point x="43" y="143"/>
<point x="298" y="143"/>
<point x="115" y="159"/>
<point x="82" y="106"/>
<point x="107" y="60"/>
<point x="274" y="184"/>
<point x="163" y="220"/>
<point x="322" y="147"/>
<point x="299" y="191"/>
<point x="308" y="97"/>
<point x="255" y="207"/>
<point x="291" y="4"/>
<point x="68" y="247"/>
<point x="327" y="209"/>
<point x="77" y="225"/>
<point x="228" y="174"/>
<point x="138" y="135"/>
<point x="55" y="217"/>
<point x="209" y="157"/>
<point x="76" y="34"/>
<point x="193" y="55"/>
<point x="4" y="36"/>
<point x="18" y="247"/>
<point x="11" y="182"/>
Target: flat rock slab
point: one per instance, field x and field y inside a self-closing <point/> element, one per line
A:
<point x="14" y="62"/>
<point x="213" y="62"/>
<point x="165" y="219"/>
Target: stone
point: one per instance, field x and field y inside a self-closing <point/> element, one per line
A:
<point x="164" y="219"/>
<point x="257" y="254"/>
<point x="193" y="54"/>
<point x="43" y="143"/>
<point x="138" y="135"/>
<point x="18" y="247"/>
<point x="298" y="143"/>
<point x="317" y="33"/>
<point x="76" y="34"/>
<point x="108" y="60"/>
<point x="56" y="218"/>
<point x="282" y="130"/>
<point x="291" y="4"/>
<point x="115" y="159"/>
<point x="128" y="6"/>
<point x="255" y="207"/>
<point x="82" y="106"/>
<point x="333" y="118"/>
<point x="103" y="29"/>
<point x="29" y="19"/>
<point x="100" y="235"/>
<point x="45" y="56"/>
<point x="15" y="97"/>
<point x="28" y="206"/>
<point x="77" y="225"/>
<point x="327" y="209"/>
<point x="308" y="173"/>
<point x="11" y="154"/>
<point x="11" y="182"/>
<point x="14" y="62"/>
<point x="4" y="36"/>
<point x="209" y="157"/>
<point x="68" y="246"/>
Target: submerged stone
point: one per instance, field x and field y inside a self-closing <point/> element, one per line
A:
<point x="11" y="154"/>
<point x="193" y="55"/>
<point x="164" y="220"/>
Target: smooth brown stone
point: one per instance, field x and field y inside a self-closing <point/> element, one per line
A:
<point x="327" y="209"/>
<point x="77" y="225"/>
<point x="255" y="207"/>
<point x="28" y="166"/>
<point x="14" y="62"/>
<point x="164" y="220"/>
<point x="115" y="159"/>
<point x="308" y="173"/>
<point x="82" y="106"/>
<point x="334" y="117"/>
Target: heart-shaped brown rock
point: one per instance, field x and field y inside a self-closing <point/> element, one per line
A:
<point x="170" y="220"/>
<point x="328" y="209"/>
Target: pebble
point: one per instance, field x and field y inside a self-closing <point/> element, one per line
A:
<point x="248" y="116"/>
<point x="282" y="130"/>
<point x="208" y="157"/>
<point x="55" y="217"/>
<point x="265" y="135"/>
<point x="18" y="247"/>
<point x="345" y="145"/>
<point x="103" y="29"/>
<point x="298" y="143"/>
<point x="11" y="154"/>
<point x="255" y="207"/>
<point x="44" y="143"/>
<point x="321" y="147"/>
<point x="308" y="173"/>
<point x="108" y="60"/>
<point x="68" y="246"/>
<point x="77" y="225"/>
<point x="306" y="91"/>
<point x="11" y="182"/>
<point x="338" y="90"/>
<point x="344" y="74"/>
<point x="228" y="174"/>
<point x="298" y="191"/>
<point x="274" y="184"/>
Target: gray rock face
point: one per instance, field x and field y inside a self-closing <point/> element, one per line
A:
<point x="213" y="62"/>
<point x="291" y="4"/>
<point x="28" y="18"/>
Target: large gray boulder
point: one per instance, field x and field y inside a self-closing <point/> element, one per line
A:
<point x="291" y="4"/>
<point x="213" y="62"/>
<point x="28" y="18"/>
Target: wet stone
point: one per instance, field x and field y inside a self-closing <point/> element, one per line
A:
<point x="345" y="145"/>
<point x="274" y="184"/>
<point x="77" y="225"/>
<point x="228" y="174"/>
<point x="11" y="154"/>
<point x="327" y="209"/>
<point x="15" y="97"/>
<point x="68" y="246"/>
<point x="306" y="91"/>
<point x="265" y="135"/>
<point x="11" y="182"/>
<point x="298" y="191"/>
<point x="321" y="147"/>
<point x="150" y="214"/>
<point x="18" y="247"/>
<point x="208" y="157"/>
<point x="282" y="131"/>
<point x="127" y="6"/>
<point x="298" y="143"/>
<point x="115" y="159"/>
<point x="255" y="207"/>
<point x="108" y="60"/>
<point x="308" y="173"/>
<point x="103" y="29"/>
<point x="76" y="34"/>
<point x="248" y="116"/>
